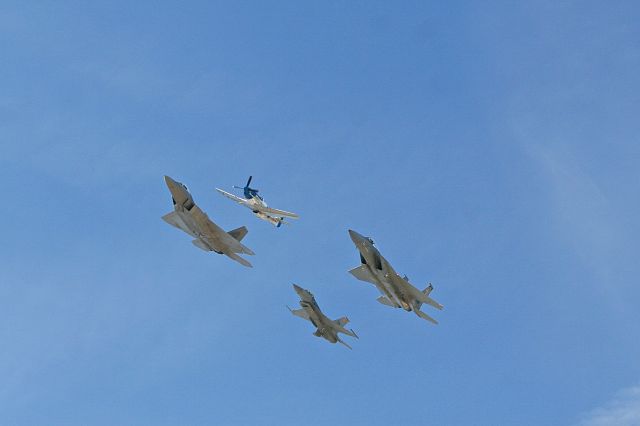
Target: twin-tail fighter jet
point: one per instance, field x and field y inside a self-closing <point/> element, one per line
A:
<point x="256" y="203"/>
<point x="326" y="328"/>
<point x="396" y="291"/>
<point x="188" y="217"/>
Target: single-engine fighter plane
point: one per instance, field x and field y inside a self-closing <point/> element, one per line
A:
<point x="188" y="217"/>
<point x="326" y="328"/>
<point x="396" y="291"/>
<point x="256" y="203"/>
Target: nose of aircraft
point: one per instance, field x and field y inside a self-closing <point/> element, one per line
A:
<point x="355" y="237"/>
<point x="170" y="182"/>
<point x="304" y="294"/>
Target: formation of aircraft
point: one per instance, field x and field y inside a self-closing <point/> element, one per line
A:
<point x="396" y="291"/>
<point x="258" y="206"/>
<point x="325" y="327"/>
<point x="188" y="217"/>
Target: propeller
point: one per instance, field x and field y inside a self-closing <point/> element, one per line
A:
<point x="248" y="191"/>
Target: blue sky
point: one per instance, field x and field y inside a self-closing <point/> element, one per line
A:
<point x="488" y="147"/>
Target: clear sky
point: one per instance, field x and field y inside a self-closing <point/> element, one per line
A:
<point x="489" y="147"/>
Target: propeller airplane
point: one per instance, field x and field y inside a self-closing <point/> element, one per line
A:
<point x="258" y="206"/>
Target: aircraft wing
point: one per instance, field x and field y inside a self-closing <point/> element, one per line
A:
<point x="277" y="212"/>
<point x="215" y="236"/>
<point x="299" y="313"/>
<point x="175" y="220"/>
<point x="234" y="197"/>
<point x="363" y="274"/>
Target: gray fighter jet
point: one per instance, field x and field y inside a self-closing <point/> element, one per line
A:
<point x="189" y="218"/>
<point x="396" y="291"/>
<point x="326" y="327"/>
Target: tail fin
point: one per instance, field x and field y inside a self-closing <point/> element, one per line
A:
<point x="239" y="233"/>
<point x="342" y="321"/>
<point x="428" y="300"/>
<point x="428" y="290"/>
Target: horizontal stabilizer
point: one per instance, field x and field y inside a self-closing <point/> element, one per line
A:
<point x="423" y="297"/>
<point x="386" y="301"/>
<point x="433" y="303"/>
<point x="362" y="273"/>
<point x="341" y="341"/>
<point x="200" y="244"/>
<point x="239" y="259"/>
<point x="425" y="316"/>
<point x="239" y="233"/>
<point x="428" y="300"/>
<point x="245" y="250"/>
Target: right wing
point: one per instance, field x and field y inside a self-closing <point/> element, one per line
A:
<point x="277" y="212"/>
<point x="234" y="198"/>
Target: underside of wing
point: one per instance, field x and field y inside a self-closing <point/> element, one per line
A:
<point x="299" y="313"/>
<point x="175" y="220"/>
<point x="200" y="244"/>
<point x="277" y="212"/>
<point x="363" y="274"/>
<point x="233" y="197"/>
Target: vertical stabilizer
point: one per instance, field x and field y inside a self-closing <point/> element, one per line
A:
<point x="239" y="233"/>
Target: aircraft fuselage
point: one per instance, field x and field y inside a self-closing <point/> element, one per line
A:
<point x="383" y="273"/>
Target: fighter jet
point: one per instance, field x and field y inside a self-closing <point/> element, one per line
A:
<point x="396" y="291"/>
<point x="326" y="328"/>
<point x="257" y="204"/>
<point x="188" y="217"/>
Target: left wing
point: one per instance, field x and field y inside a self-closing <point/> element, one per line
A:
<point x="299" y="313"/>
<point x="233" y="197"/>
<point x="277" y="212"/>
